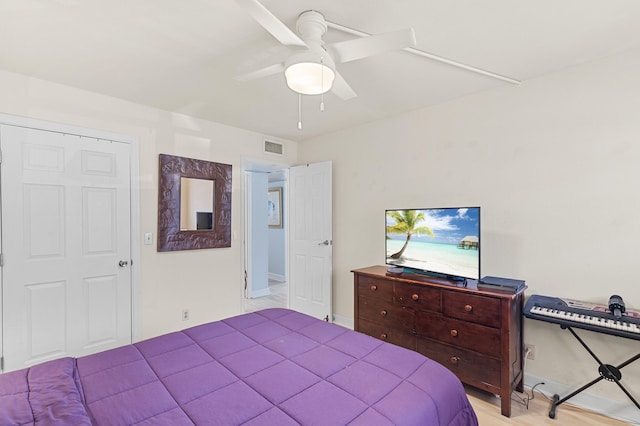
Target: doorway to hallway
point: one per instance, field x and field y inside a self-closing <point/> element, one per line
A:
<point x="265" y="283"/>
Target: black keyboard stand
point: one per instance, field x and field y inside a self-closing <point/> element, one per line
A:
<point x="606" y="371"/>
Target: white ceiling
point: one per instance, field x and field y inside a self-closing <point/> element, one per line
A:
<point x="181" y="55"/>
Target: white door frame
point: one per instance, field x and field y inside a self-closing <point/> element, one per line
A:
<point x="266" y="166"/>
<point x="32" y="123"/>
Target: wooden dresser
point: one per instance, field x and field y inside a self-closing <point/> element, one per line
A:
<point x="477" y="334"/>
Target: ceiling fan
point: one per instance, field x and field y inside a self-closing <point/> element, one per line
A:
<point x="310" y="69"/>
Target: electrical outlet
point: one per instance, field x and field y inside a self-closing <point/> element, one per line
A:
<point x="185" y="315"/>
<point x="530" y="351"/>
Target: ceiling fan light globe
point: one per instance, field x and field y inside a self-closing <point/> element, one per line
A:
<point x="309" y="78"/>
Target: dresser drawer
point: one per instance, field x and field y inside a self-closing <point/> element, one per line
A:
<point x="383" y="313"/>
<point x="467" y="335"/>
<point x="388" y="334"/>
<point x="416" y="296"/>
<point x="469" y="366"/>
<point x="474" y="308"/>
<point x="375" y="288"/>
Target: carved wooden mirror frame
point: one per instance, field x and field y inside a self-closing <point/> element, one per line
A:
<point x="171" y="170"/>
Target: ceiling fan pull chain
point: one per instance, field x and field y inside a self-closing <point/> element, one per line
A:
<point x="299" y="111"/>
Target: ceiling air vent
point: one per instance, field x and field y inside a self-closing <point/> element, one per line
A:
<point x="273" y="147"/>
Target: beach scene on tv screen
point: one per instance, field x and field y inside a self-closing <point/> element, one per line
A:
<point x="445" y="241"/>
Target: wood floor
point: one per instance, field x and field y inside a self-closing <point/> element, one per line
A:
<point x="487" y="408"/>
<point x="486" y="405"/>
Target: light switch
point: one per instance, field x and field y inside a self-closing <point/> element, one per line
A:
<point x="148" y="238"/>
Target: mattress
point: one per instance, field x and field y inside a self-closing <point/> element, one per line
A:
<point x="273" y="367"/>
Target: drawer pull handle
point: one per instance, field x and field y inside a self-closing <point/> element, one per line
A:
<point x="383" y="313"/>
<point x="384" y="336"/>
<point x="415" y="296"/>
<point x="468" y="308"/>
<point x="454" y="332"/>
<point x="454" y="359"/>
<point x="374" y="287"/>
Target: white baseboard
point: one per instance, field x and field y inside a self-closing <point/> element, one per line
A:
<point x="276" y="277"/>
<point x="345" y="322"/>
<point x="623" y="411"/>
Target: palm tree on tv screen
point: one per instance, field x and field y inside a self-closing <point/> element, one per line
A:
<point x="406" y="222"/>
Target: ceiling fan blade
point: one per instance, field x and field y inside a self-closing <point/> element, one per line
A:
<point x="342" y="89"/>
<point x="351" y="50"/>
<point x="260" y="72"/>
<point x="273" y="25"/>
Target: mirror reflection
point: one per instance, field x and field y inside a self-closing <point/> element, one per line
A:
<point x="196" y="204"/>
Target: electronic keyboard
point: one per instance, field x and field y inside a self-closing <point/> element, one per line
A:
<point x="585" y="315"/>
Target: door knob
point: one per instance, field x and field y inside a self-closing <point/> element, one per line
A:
<point x="324" y="243"/>
<point x="123" y="263"/>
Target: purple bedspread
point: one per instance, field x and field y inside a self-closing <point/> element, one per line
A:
<point x="46" y="394"/>
<point x="274" y="367"/>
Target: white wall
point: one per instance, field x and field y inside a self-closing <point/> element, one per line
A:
<point x="555" y="166"/>
<point x="207" y="282"/>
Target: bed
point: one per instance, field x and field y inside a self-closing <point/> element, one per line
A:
<point x="272" y="367"/>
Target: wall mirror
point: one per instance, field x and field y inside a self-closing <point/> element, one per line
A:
<point x="194" y="204"/>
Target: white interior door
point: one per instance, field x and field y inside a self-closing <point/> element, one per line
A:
<point x="311" y="239"/>
<point x="66" y="245"/>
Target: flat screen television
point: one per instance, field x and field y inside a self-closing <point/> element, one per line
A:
<point x="443" y="242"/>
